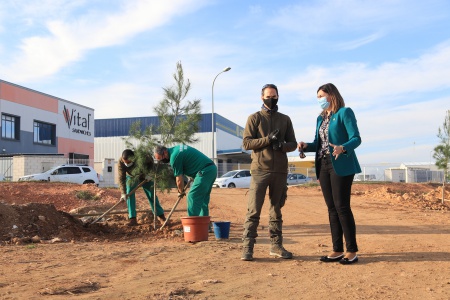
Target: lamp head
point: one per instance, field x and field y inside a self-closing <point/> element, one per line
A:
<point x="226" y="69"/>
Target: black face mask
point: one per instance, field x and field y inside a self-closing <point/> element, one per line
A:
<point x="270" y="102"/>
<point x="165" y="160"/>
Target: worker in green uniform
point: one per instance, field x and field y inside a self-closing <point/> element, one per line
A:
<point x="186" y="160"/>
<point x="127" y="182"/>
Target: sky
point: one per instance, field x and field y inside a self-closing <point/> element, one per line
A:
<point x="390" y="60"/>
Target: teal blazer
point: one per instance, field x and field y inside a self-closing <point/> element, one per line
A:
<point x="342" y="131"/>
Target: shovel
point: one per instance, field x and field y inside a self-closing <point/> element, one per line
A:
<point x="176" y="203"/>
<point x="120" y="201"/>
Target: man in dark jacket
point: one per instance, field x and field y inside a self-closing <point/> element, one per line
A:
<point x="128" y="181"/>
<point x="270" y="135"/>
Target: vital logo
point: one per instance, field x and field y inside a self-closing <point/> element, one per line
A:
<point x="73" y="118"/>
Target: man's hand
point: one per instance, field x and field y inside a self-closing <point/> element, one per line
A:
<point x="123" y="197"/>
<point x="181" y="194"/>
<point x="273" y="136"/>
<point x="276" y="145"/>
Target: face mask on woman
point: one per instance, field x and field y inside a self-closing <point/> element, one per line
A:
<point x="323" y="103"/>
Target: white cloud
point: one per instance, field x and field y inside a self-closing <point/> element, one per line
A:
<point x="68" y="41"/>
<point x="382" y="84"/>
<point x="396" y="103"/>
<point x="118" y="100"/>
<point x="318" y="17"/>
<point x="359" y="42"/>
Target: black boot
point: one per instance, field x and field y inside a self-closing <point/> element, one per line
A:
<point x="132" y="222"/>
<point x="247" y="249"/>
<point x="279" y="251"/>
<point x="247" y="254"/>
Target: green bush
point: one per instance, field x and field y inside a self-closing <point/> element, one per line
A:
<point x="86" y="195"/>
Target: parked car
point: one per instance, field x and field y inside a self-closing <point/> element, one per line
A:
<point x="297" y="178"/>
<point x="80" y="174"/>
<point x="234" y="179"/>
<point x="362" y="177"/>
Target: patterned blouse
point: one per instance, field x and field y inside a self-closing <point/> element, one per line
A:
<point x="323" y="134"/>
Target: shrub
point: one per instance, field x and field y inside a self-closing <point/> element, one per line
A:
<point x="86" y="195"/>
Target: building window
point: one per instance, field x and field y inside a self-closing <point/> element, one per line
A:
<point x="44" y="133"/>
<point x="10" y="127"/>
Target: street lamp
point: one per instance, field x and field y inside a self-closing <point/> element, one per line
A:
<point x="431" y="152"/>
<point x="212" y="110"/>
<point x="431" y="172"/>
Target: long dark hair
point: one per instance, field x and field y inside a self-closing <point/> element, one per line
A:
<point x="335" y="98"/>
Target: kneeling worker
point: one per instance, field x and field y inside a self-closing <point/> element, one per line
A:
<point x="127" y="182"/>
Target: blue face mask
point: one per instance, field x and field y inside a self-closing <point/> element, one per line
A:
<point x="324" y="104"/>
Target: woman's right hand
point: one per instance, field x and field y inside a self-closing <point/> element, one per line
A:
<point x="301" y="146"/>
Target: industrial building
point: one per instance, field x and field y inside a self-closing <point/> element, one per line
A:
<point x="414" y="172"/>
<point x="39" y="130"/>
<point x="110" y="135"/>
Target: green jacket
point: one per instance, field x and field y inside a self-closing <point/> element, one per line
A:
<point x="123" y="171"/>
<point x="342" y="131"/>
<point x="186" y="160"/>
<point x="256" y="132"/>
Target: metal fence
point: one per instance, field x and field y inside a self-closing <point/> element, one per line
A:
<point x="370" y="172"/>
<point x="6" y="168"/>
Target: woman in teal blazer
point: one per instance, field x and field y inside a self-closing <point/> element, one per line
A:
<point x="337" y="137"/>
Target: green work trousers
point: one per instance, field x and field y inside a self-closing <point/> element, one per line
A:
<point x="148" y="190"/>
<point x="276" y="182"/>
<point x="199" y="193"/>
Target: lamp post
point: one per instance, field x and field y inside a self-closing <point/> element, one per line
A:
<point x="212" y="110"/>
<point x="431" y="152"/>
<point x="431" y="172"/>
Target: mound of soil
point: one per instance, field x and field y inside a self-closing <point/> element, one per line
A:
<point x="42" y="212"/>
<point x="56" y="212"/>
<point x="420" y="195"/>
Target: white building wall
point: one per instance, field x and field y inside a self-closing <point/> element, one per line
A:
<point x="32" y="164"/>
<point x="108" y="147"/>
<point x="82" y="118"/>
<point x="112" y="147"/>
<point x="29" y="114"/>
<point x="79" y="124"/>
<point x="226" y="141"/>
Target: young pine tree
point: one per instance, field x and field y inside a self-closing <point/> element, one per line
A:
<point x="442" y="151"/>
<point x="178" y="121"/>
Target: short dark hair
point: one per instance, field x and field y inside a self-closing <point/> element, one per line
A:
<point x="269" y="85"/>
<point x="160" y="149"/>
<point x="127" y="154"/>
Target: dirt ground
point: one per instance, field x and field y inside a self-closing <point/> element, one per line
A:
<point x="403" y="232"/>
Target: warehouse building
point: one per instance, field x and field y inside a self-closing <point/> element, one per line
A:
<point x="39" y="131"/>
<point x="110" y="135"/>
